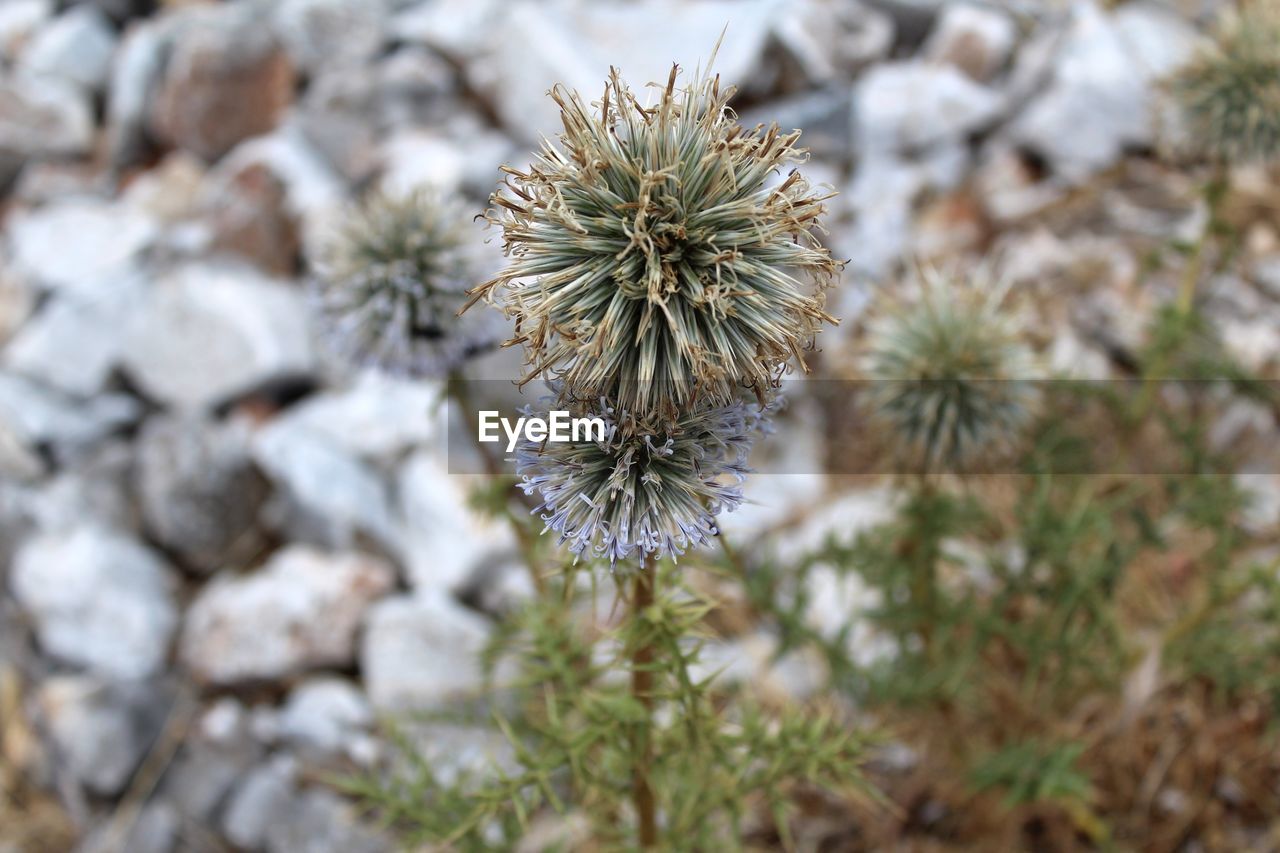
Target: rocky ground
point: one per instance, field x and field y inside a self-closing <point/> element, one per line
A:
<point x="225" y="556"/>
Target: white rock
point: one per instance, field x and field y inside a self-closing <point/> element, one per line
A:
<point x="35" y="415"/>
<point x="76" y="47"/>
<point x="300" y="611"/>
<point x="903" y="107"/>
<point x="197" y="489"/>
<point x="421" y="652"/>
<point x="839" y="602"/>
<point x="325" y="33"/>
<point x="73" y="343"/>
<point x="43" y="118"/>
<point x="378" y="416"/>
<point x="575" y="43"/>
<point x="459" y="31"/>
<point x="314" y="192"/>
<point x="264" y="796"/>
<point x="208" y="332"/>
<point x="413" y="159"/>
<point x="99" y="600"/>
<point x="322" y="821"/>
<point x="101" y="731"/>
<point x="443" y="541"/>
<point x="976" y="39"/>
<point x="79" y="245"/>
<point x="326" y="481"/>
<point x="1100" y="98"/>
<point x="326" y="714"/>
<point x="831" y="39"/>
<point x="135" y="78"/>
<point x="19" y="21"/>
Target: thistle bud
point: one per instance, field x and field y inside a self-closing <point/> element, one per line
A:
<point x="951" y="380"/>
<point x="1230" y="93"/>
<point x="639" y="491"/>
<point x="657" y="255"/>
<point x="391" y="283"/>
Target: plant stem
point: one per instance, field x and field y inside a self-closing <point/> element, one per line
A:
<point x="642" y="690"/>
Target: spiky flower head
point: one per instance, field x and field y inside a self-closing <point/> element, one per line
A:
<point x="390" y="285"/>
<point x="951" y="381"/>
<point x="657" y="256"/>
<point x="1230" y="93"/>
<point x="643" y="492"/>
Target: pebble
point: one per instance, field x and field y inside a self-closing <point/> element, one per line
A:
<point x="99" y="600"/>
<point x="301" y="611"/>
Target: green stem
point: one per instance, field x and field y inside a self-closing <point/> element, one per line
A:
<point x="642" y="690"/>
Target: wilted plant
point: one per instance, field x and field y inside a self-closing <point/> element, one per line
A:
<point x="391" y="283"/>
<point x="1230" y="93"/>
<point x="660" y="269"/>
<point x="951" y="381"/>
<point x="655" y="259"/>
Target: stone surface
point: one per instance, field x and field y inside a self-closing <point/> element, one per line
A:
<point x="135" y="77"/>
<point x="377" y="416"/>
<point x="227" y="79"/>
<point x="249" y="215"/>
<point x="99" y="599"/>
<point x="976" y="39"/>
<point x="42" y="419"/>
<point x="575" y="44"/>
<point x="210" y="331"/>
<point x="79" y="245"/>
<point x="73" y="343"/>
<point x="328" y="715"/>
<point x="323" y="822"/>
<point x="263" y="797"/>
<point x="77" y="47"/>
<point x="198" y="490"/>
<point x="1099" y="101"/>
<point x="342" y="495"/>
<point x="19" y="22"/>
<point x="421" y="652"/>
<point x="298" y="612"/>
<point x="102" y="730"/>
<point x="444" y="543"/>
<point x="41" y="118"/>
<point x="327" y="33"/>
<point x="907" y="107"/>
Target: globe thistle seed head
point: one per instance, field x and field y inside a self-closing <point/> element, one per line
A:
<point x="641" y="491"/>
<point x="1230" y="93"/>
<point x="653" y="259"/>
<point x="391" y="283"/>
<point x="951" y="380"/>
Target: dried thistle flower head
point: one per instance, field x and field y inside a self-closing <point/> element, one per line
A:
<point x="391" y="283"/>
<point x="639" y="491"/>
<point x="951" y="380"/>
<point x="653" y="260"/>
<point x="1230" y="93"/>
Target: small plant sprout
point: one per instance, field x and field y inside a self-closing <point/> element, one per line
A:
<point x="641" y="493"/>
<point x="950" y="378"/>
<point x="655" y="259"/>
<point x="1230" y="93"/>
<point x="391" y="283"/>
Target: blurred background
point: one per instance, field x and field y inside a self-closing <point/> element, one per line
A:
<point x="227" y="557"/>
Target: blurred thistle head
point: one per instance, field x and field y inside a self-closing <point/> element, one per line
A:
<point x="391" y="283"/>
<point x="654" y="257"/>
<point x="1230" y="93"/>
<point x="950" y="375"/>
<point x="639" y="491"/>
